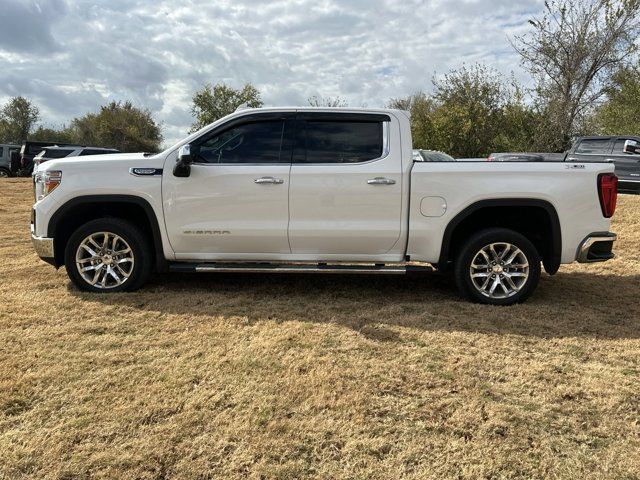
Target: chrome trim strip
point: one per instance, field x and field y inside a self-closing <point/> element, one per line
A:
<point x="386" y="149"/>
<point x="583" y="251"/>
<point x="43" y="246"/>
<point x="301" y="269"/>
<point x="142" y="171"/>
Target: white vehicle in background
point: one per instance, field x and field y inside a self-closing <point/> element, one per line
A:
<point x="55" y="152"/>
<point x="431" y="156"/>
<point x="329" y="190"/>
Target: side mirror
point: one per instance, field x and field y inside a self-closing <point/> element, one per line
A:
<point x="183" y="165"/>
<point x="632" y="147"/>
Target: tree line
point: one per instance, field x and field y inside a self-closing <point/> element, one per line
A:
<point x="582" y="56"/>
<point x="118" y="125"/>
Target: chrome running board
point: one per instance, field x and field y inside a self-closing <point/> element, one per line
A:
<point x="377" y="269"/>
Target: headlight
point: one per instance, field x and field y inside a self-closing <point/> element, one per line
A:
<point x="46" y="182"/>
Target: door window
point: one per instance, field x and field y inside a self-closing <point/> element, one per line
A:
<point x="595" y="146"/>
<point x="341" y="142"/>
<point x="618" y="147"/>
<point x="257" y="142"/>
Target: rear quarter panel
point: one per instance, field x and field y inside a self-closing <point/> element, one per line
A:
<point x="570" y="189"/>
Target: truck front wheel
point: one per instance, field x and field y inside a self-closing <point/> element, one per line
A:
<point x="497" y="266"/>
<point x="108" y="255"/>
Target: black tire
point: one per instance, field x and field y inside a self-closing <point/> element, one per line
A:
<point x="129" y="233"/>
<point x="5" y="173"/>
<point x="472" y="250"/>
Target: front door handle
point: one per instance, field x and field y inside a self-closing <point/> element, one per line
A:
<point x="381" y="181"/>
<point x="269" y="181"/>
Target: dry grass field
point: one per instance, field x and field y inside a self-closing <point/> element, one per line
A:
<point x="239" y="376"/>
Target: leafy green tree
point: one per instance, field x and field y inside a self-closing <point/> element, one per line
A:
<point x="54" y="135"/>
<point x="119" y="125"/>
<point x="520" y="124"/>
<point x="17" y="119"/>
<point x="421" y="107"/>
<point x="469" y="117"/>
<point x="216" y="101"/>
<point x="471" y="113"/>
<point x="620" y="113"/>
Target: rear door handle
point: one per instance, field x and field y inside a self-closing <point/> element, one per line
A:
<point x="381" y="181"/>
<point x="269" y="181"/>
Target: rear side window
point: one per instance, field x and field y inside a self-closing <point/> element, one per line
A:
<point x="257" y="142"/>
<point x="594" y="146"/>
<point x="89" y="151"/>
<point x="57" y="153"/>
<point x="341" y="141"/>
<point x="34" y="150"/>
<point x="618" y="147"/>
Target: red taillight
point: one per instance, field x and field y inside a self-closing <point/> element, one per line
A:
<point x="608" y="193"/>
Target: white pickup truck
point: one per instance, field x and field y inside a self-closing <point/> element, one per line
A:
<point x="319" y="190"/>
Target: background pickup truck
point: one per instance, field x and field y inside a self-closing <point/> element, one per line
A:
<point x="622" y="151"/>
<point x="318" y="190"/>
<point x="611" y="150"/>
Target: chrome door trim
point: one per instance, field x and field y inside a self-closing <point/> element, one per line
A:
<point x="269" y="181"/>
<point x="381" y="181"/>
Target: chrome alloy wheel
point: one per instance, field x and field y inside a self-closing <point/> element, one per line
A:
<point x="499" y="270"/>
<point x="104" y="260"/>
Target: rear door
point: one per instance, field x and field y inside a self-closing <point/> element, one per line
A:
<point x="627" y="164"/>
<point x="346" y="186"/>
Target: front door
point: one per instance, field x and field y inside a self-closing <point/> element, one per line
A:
<point x="235" y="201"/>
<point x="346" y="187"/>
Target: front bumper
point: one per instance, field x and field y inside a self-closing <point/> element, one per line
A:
<point x="43" y="247"/>
<point x="597" y="247"/>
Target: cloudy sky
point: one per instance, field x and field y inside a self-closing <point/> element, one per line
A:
<point x="71" y="56"/>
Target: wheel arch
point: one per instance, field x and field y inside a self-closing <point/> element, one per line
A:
<point x="77" y="211"/>
<point x="544" y="215"/>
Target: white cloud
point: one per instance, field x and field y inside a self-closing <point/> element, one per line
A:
<point x="72" y="56"/>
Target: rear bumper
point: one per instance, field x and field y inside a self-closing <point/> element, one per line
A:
<point x="628" y="186"/>
<point x="597" y="247"/>
<point x="43" y="247"/>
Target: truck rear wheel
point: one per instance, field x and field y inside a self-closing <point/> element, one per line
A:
<point x="108" y="255"/>
<point x="497" y="266"/>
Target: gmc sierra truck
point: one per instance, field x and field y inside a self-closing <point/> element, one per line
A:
<point x="319" y="190"/>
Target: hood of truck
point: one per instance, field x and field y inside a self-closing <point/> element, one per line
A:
<point x="100" y="163"/>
